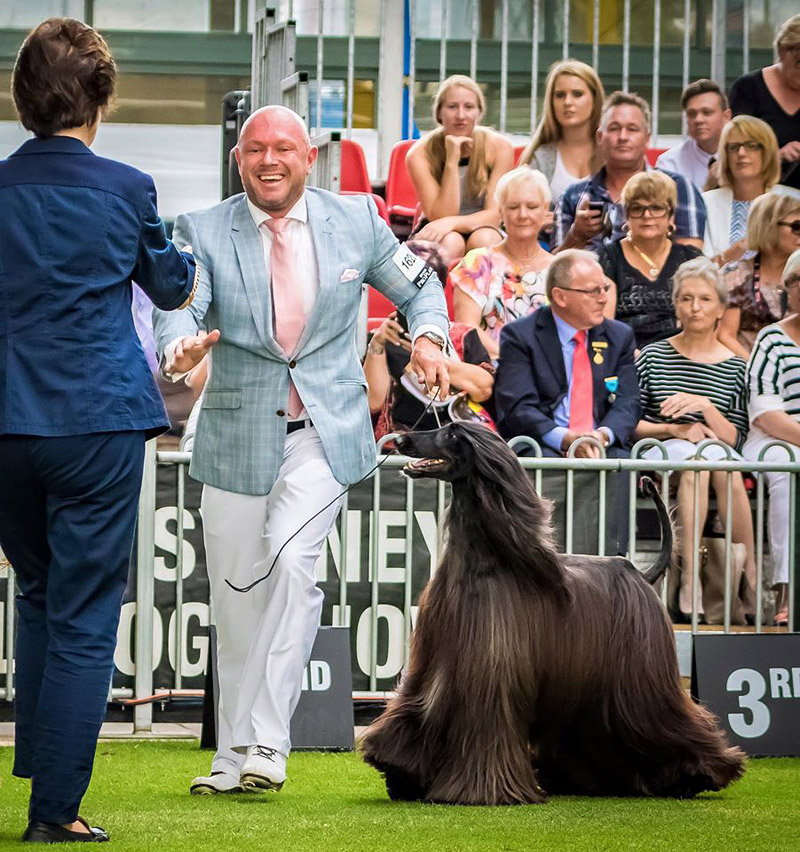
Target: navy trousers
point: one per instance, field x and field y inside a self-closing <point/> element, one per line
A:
<point x="67" y="517"/>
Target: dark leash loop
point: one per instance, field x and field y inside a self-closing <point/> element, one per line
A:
<point x="266" y="576"/>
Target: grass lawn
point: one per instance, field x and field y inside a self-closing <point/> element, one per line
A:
<point x="334" y="802"/>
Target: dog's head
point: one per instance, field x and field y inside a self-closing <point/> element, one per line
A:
<point x="457" y="451"/>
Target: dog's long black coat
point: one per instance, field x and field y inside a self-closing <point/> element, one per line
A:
<point x="532" y="672"/>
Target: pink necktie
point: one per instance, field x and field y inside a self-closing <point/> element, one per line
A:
<point x="581" y="398"/>
<point x="287" y="300"/>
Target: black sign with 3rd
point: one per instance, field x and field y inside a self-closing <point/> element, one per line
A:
<point x="752" y="683"/>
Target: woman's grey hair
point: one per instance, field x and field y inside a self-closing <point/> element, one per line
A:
<point x="516" y="178"/>
<point x="792" y="268"/>
<point x="703" y="268"/>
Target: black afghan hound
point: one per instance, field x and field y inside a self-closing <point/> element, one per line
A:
<point x="532" y="672"/>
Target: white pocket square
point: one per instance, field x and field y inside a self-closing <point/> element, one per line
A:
<point x="349" y="275"/>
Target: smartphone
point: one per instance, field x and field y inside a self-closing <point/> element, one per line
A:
<point x="401" y="318"/>
<point x="597" y="206"/>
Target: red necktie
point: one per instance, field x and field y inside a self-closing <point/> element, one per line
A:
<point x="581" y="398"/>
<point x="287" y="300"/>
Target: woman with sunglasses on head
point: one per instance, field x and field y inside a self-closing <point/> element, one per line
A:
<point x="773" y="94"/>
<point x="773" y="375"/>
<point x="455" y="169"/>
<point x="756" y="297"/>
<point x="641" y="265"/>
<point x="747" y="167"/>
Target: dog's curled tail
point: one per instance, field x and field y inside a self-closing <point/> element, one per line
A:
<point x="665" y="555"/>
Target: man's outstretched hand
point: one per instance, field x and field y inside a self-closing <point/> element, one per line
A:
<point x="191" y="350"/>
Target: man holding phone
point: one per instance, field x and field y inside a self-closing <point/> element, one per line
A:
<point x="589" y="212"/>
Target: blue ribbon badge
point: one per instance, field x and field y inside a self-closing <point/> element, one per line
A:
<point x="611" y="383"/>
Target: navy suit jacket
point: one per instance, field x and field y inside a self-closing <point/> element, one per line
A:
<point x="531" y="379"/>
<point x="76" y="229"/>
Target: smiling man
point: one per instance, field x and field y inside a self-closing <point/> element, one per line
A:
<point x="707" y="112"/>
<point x="284" y="425"/>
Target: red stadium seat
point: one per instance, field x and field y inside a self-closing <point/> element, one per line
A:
<point x="378" y="306"/>
<point x="379" y="202"/>
<point x="355" y="177"/>
<point x="401" y="198"/>
<point x="653" y="154"/>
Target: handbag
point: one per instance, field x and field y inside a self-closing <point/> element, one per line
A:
<point x="712" y="579"/>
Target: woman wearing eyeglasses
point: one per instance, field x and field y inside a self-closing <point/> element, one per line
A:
<point x="773" y="94"/>
<point x="756" y="297"/>
<point x="773" y="376"/>
<point x="693" y="388"/>
<point x="747" y="167"/>
<point x="641" y="265"/>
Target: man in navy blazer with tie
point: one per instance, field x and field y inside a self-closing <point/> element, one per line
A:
<point x="535" y="383"/>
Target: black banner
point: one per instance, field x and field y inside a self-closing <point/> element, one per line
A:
<point x="752" y="683"/>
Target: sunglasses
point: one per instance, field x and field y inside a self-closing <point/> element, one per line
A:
<point x="793" y="226"/>
<point x="749" y="145"/>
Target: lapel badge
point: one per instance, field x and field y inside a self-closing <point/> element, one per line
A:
<point x="597" y="348"/>
<point x="611" y="383"/>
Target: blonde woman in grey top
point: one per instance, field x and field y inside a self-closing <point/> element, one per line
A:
<point x="563" y="147"/>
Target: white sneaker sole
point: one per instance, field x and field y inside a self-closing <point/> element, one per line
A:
<point x="252" y="781"/>
<point x="211" y="790"/>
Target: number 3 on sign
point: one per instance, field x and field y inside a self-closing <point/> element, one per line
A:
<point x="756" y="686"/>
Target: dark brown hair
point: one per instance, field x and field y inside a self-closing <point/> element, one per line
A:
<point x="703" y="87"/>
<point x="64" y="75"/>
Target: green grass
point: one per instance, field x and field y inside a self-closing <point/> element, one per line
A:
<point x="334" y="802"/>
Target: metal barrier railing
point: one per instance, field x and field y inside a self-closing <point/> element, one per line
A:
<point x="294" y="93"/>
<point x="327" y="170"/>
<point x="537" y="465"/>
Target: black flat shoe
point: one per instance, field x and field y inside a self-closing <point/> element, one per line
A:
<point x="47" y="832"/>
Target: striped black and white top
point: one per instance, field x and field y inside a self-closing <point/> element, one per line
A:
<point x="773" y="373"/>
<point x="663" y="371"/>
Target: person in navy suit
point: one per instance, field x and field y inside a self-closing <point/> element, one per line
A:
<point x="77" y="403"/>
<point x="547" y="389"/>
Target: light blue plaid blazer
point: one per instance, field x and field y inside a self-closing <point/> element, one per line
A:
<point x="240" y="435"/>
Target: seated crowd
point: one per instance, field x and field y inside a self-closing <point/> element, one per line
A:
<point x="599" y="301"/>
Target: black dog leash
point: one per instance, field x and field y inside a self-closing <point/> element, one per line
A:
<point x="266" y="576"/>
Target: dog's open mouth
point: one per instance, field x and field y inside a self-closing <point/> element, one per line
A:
<point x="424" y="467"/>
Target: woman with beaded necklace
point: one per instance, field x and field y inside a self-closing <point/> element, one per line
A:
<point x="641" y="265"/>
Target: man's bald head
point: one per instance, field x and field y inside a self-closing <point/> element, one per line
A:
<point x="276" y="115"/>
<point x="275" y="156"/>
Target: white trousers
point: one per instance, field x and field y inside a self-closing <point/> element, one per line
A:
<point x="265" y="636"/>
<point x="778" y="485"/>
